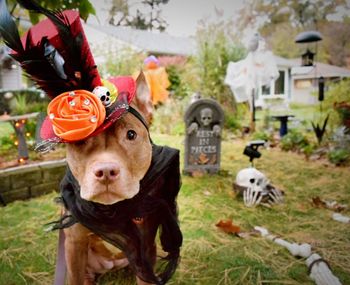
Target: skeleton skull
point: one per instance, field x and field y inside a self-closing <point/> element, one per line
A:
<point x="251" y="177"/>
<point x="255" y="188"/>
<point x="104" y="95"/>
<point x="206" y="116"/>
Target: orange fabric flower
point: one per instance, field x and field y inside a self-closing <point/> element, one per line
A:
<point x="76" y="114"/>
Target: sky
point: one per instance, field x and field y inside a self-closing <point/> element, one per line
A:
<point x="182" y="16"/>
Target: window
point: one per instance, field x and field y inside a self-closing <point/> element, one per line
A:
<point x="302" y="83"/>
<point x="279" y="83"/>
<point x="277" y="87"/>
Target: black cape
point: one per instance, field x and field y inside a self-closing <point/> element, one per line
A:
<point x="131" y="225"/>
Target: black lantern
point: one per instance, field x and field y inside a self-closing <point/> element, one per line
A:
<point x="307" y="58"/>
<point x="321" y="88"/>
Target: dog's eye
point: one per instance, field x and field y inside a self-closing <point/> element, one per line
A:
<point x="131" y="135"/>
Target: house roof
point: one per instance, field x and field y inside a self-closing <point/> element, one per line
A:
<point x="318" y="70"/>
<point x="158" y="43"/>
<point x="285" y="62"/>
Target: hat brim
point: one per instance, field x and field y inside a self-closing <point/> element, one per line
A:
<point x="126" y="87"/>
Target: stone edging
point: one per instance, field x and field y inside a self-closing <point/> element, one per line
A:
<point x="32" y="180"/>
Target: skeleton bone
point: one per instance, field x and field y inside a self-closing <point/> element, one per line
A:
<point x="192" y="128"/>
<point x="251" y="197"/>
<point x="257" y="188"/>
<point x="276" y="197"/>
<point x="320" y="272"/>
<point x="341" y="218"/>
<point x="303" y="250"/>
<point x="217" y="130"/>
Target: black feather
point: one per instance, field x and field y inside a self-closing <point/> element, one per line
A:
<point x="8" y="29"/>
<point x="40" y="68"/>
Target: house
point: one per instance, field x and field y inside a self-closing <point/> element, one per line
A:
<point x="140" y="40"/>
<point x="297" y="84"/>
<point x="10" y="72"/>
<point x="294" y="85"/>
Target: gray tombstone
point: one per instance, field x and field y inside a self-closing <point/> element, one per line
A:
<point x="204" y="120"/>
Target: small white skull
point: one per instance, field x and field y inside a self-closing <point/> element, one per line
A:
<point x="104" y="95"/>
<point x="206" y="116"/>
<point x="253" y="178"/>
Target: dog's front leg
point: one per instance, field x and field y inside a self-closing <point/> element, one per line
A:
<point x="76" y="253"/>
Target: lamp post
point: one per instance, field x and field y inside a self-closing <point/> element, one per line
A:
<point x="308" y="60"/>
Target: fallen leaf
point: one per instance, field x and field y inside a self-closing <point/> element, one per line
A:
<point x="228" y="227"/>
<point x="317" y="202"/>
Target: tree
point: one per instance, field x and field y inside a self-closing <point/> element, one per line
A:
<point x="217" y="46"/>
<point x="84" y="7"/>
<point x="149" y="19"/>
<point x="280" y="21"/>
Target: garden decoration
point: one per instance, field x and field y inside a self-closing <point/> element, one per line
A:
<point x="251" y="150"/>
<point x="310" y="37"/>
<point x="253" y="185"/>
<point x="320" y="272"/>
<point x="341" y="218"/>
<point x="256" y="189"/>
<point x="18" y="123"/>
<point x="319" y="269"/>
<point x="204" y="120"/>
<point x="157" y="80"/>
<point x="283" y="119"/>
<point x="331" y="205"/>
<point x="247" y="76"/>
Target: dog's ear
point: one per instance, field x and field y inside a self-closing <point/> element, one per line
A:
<point x="143" y="100"/>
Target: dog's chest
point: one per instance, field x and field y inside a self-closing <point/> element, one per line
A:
<point x="102" y="256"/>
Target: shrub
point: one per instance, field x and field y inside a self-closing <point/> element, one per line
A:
<point x="216" y="48"/>
<point x="168" y="118"/>
<point x="7" y="142"/>
<point x="121" y="62"/>
<point x="339" y="156"/>
<point x="337" y="96"/>
<point x="262" y="135"/>
<point x="294" y="141"/>
<point x="232" y="122"/>
<point x="19" y="102"/>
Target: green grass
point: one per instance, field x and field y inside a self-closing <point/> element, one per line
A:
<point x="209" y="256"/>
<point x="5" y="129"/>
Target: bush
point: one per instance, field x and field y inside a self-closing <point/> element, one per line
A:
<point x="337" y="96"/>
<point x="262" y="135"/>
<point x="122" y="62"/>
<point x="339" y="156"/>
<point x="7" y="142"/>
<point x="168" y="118"/>
<point x="19" y="102"/>
<point x="216" y="48"/>
<point x="294" y="141"/>
<point x="232" y="122"/>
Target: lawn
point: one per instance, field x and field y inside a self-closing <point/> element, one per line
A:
<point x="209" y="256"/>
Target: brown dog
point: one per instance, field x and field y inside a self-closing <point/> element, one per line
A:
<point x="118" y="186"/>
<point x="108" y="168"/>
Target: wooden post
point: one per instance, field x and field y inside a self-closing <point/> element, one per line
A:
<point x="252" y="119"/>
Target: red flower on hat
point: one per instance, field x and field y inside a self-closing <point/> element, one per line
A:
<point x="76" y="114"/>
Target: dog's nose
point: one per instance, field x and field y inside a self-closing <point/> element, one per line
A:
<point x="106" y="171"/>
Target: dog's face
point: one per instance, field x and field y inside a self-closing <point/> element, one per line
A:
<point x="110" y="165"/>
